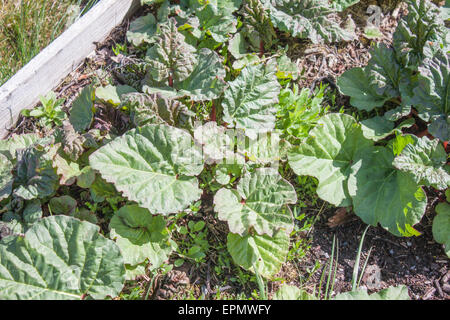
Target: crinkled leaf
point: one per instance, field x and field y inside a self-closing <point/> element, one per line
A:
<point x="391" y="293"/>
<point x="8" y="147"/>
<point x="215" y="141"/>
<point x="249" y="100"/>
<point x="155" y="109"/>
<point x="72" y="142"/>
<point x="266" y="148"/>
<point x="441" y="226"/>
<point x="419" y="34"/>
<point x="171" y="59"/>
<point x="382" y="194"/>
<point x="82" y="112"/>
<point x="142" y="30"/>
<point x="266" y="253"/>
<point x="258" y="202"/>
<point x="206" y="82"/>
<point x="69" y="171"/>
<point x="35" y="176"/>
<point x="426" y="162"/>
<point x="328" y="155"/>
<point x="140" y="236"/>
<point x="6" y="177"/>
<point x="313" y="19"/>
<point x="216" y="22"/>
<point x="60" y="258"/>
<point x="432" y="93"/>
<point x="257" y="27"/>
<point x="154" y="165"/>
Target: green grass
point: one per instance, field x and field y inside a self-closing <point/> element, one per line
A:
<point x="28" y="26"/>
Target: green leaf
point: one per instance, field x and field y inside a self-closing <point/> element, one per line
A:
<point x="82" y="114"/>
<point x="112" y="94"/>
<point x="8" y="147"/>
<point x="341" y="5"/>
<point x="258" y="202"/>
<point x="328" y="155"/>
<point x="60" y="258"/>
<point x="356" y="84"/>
<point x="140" y="236"/>
<point x="266" y="253"/>
<point x="288" y="292"/>
<point x="154" y="165"/>
<point x="432" y="93"/>
<point x="206" y="81"/>
<point x="286" y="69"/>
<point x="391" y="293"/>
<point x="32" y="212"/>
<point x="35" y="176"/>
<point x="441" y="226"/>
<point x="142" y="30"/>
<point x="257" y="27"/>
<point x="311" y="19"/>
<point x="62" y="205"/>
<point x="419" y="34"/>
<point x="6" y="177"/>
<point x="216" y="143"/>
<point x="217" y="22"/>
<point x="382" y="194"/>
<point x="170" y="58"/>
<point x="249" y="100"/>
<point x="154" y="109"/>
<point x="426" y="162"/>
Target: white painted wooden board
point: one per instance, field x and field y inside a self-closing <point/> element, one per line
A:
<point x="44" y="72"/>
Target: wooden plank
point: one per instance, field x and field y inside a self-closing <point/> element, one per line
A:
<point x="45" y="71"/>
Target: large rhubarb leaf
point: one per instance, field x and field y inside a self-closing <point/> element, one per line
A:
<point x="155" y="109"/>
<point x="8" y="147"/>
<point x="313" y="19"/>
<point x="35" y="175"/>
<point x="363" y="95"/>
<point x="154" y="165"/>
<point x="266" y="254"/>
<point x="171" y="59"/>
<point x="378" y="82"/>
<point x="217" y="144"/>
<point x="140" y="236"/>
<point x="391" y="293"/>
<point x="217" y="22"/>
<point x="60" y="258"/>
<point x="206" y="82"/>
<point x="432" y="95"/>
<point x="258" y="202"/>
<point x="328" y="155"/>
<point x="419" y="34"/>
<point x="426" y="162"/>
<point x="441" y="226"/>
<point x="249" y="101"/>
<point x="142" y="30"/>
<point x="382" y="194"/>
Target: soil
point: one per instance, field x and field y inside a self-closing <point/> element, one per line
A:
<point x="417" y="262"/>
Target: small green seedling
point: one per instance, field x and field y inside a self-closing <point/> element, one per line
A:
<point x="49" y="113"/>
